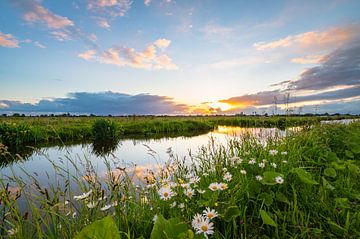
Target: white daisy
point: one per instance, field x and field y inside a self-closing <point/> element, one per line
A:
<point x="227" y="177"/>
<point x="223" y="186"/>
<point x="284" y="153"/>
<point x="285" y="161"/>
<point x="279" y="180"/>
<point x="106" y="207"/>
<point x="214" y="186"/>
<point x="273" y="152"/>
<point x="91" y="204"/>
<point x="259" y="178"/>
<point x="172" y="205"/>
<point x="274" y="165"/>
<point x="243" y="172"/>
<point x="261" y="165"/>
<point x="196" y="220"/>
<point x="205" y="226"/>
<point x="165" y="193"/>
<point x="189" y="192"/>
<point x="185" y="185"/>
<point x="252" y="161"/>
<point x="210" y="213"/>
<point x="194" y="179"/>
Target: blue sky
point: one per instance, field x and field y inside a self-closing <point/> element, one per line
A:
<point x="186" y="56"/>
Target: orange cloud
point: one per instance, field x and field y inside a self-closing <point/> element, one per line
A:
<point x="311" y="59"/>
<point x="8" y="40"/>
<point x="126" y="56"/>
<point x="333" y="37"/>
<point x="38" y="13"/>
<point x="87" y="55"/>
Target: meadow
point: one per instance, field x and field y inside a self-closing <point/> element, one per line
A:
<point x="20" y="131"/>
<point x="302" y="186"/>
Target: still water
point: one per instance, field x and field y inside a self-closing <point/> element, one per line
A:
<point x="144" y="153"/>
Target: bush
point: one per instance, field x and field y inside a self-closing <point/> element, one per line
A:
<point x="104" y="130"/>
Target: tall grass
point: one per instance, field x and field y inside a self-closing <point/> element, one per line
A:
<point x="308" y="188"/>
<point x="24" y="131"/>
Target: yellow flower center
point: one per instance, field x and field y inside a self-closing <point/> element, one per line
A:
<point x="214" y="187"/>
<point x="166" y="194"/>
<point x="210" y="215"/>
<point x="204" y="228"/>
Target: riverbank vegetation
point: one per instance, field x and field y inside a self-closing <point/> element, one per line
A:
<point x="302" y="186"/>
<point x="24" y="131"/>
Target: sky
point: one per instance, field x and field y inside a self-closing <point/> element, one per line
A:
<point x="179" y="56"/>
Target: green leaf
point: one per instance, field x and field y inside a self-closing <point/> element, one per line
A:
<point x="267" y="219"/>
<point x="353" y="168"/>
<point x="342" y="203"/>
<point x="172" y="228"/>
<point x="269" y="177"/>
<point x="304" y="176"/>
<point x="100" y="229"/>
<point x="330" y="172"/>
<point x="268" y="199"/>
<point x="231" y="213"/>
<point x="327" y="185"/>
<point x="282" y="198"/>
<point x="349" y="154"/>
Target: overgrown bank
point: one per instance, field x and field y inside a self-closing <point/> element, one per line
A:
<point x="18" y="131"/>
<point x="305" y="186"/>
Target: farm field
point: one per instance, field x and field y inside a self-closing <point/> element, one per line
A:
<point x="300" y="185"/>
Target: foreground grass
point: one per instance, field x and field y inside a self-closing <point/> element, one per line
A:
<point x="305" y="186"/>
<point x="24" y="131"/>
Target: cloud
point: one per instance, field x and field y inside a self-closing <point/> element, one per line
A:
<point x="125" y="56"/>
<point x="310" y="59"/>
<point x="102" y="103"/>
<point x="87" y="55"/>
<point x="162" y="43"/>
<point x="147" y="2"/>
<point x="8" y="40"/>
<point x="336" y="79"/>
<point x="102" y="22"/>
<point x="35" y="13"/>
<point x="211" y="30"/>
<point x="333" y="37"/>
<point x="106" y="10"/>
<point x="241" y="61"/>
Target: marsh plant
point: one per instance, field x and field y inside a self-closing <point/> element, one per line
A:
<point x="303" y="186"/>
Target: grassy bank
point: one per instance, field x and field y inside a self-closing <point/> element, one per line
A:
<point x="305" y="186"/>
<point x="20" y="131"/>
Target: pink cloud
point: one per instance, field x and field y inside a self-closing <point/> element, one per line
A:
<point x="311" y="59"/>
<point x="147" y="2"/>
<point x="114" y="8"/>
<point x="8" y="40"/>
<point x="37" y="13"/>
<point x="125" y="56"/>
<point x="332" y="37"/>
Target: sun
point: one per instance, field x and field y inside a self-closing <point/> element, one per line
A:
<point x="219" y="105"/>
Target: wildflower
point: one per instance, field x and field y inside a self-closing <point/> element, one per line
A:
<point x="224" y="169"/>
<point x="155" y="218"/>
<point x="194" y="179"/>
<point x="210" y="213"/>
<point x="185" y="185"/>
<point x="181" y="206"/>
<point x="273" y="165"/>
<point x="284" y="153"/>
<point x="165" y="193"/>
<point x="259" y="178"/>
<point x="91" y="205"/>
<point x="285" y="161"/>
<point x="252" y="161"/>
<point x="235" y="159"/>
<point x="196" y="220"/>
<point x="106" y="207"/>
<point x="172" y="205"/>
<point x="189" y="192"/>
<point x="223" y="186"/>
<point x="205" y="226"/>
<point x="243" y="172"/>
<point x="214" y="186"/>
<point x="279" y="180"/>
<point x="227" y="177"/>
<point x="273" y="152"/>
<point x="83" y="196"/>
<point x="261" y="165"/>
<point x="201" y="191"/>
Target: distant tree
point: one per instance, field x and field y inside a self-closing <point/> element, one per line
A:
<point x="4" y="115"/>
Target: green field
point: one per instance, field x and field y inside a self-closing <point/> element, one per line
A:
<point x="303" y="186"/>
<point x="20" y="131"/>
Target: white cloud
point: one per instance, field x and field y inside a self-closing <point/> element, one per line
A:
<point x="8" y="40"/>
<point x="87" y="55"/>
